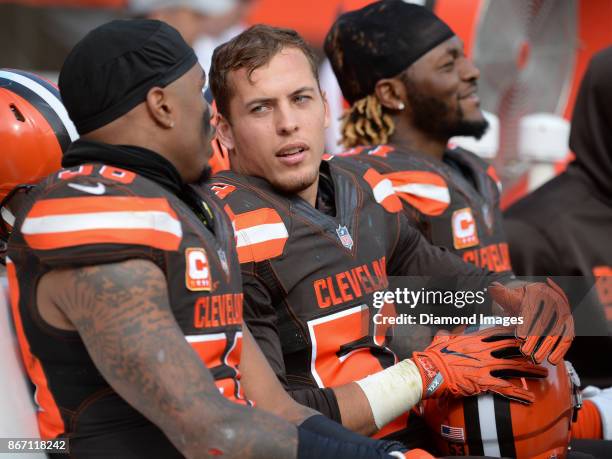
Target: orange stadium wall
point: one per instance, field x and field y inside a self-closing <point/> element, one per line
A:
<point x="312" y="19"/>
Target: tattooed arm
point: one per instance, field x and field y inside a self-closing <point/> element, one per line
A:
<point x="122" y="314"/>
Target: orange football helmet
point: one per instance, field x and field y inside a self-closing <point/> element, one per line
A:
<point x="34" y="132"/>
<point x="493" y="426"/>
<point x="219" y="161"/>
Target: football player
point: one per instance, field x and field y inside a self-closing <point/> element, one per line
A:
<point x="317" y="238"/>
<point x="124" y="283"/>
<point x="411" y="88"/>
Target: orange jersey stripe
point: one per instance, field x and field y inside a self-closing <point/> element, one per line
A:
<point x="260" y="234"/>
<point x="59" y="223"/>
<point x="262" y="251"/>
<point x="50" y="422"/>
<point x="68" y="206"/>
<point x="212" y="350"/>
<point x="256" y="217"/>
<point x="426" y="177"/>
<point x="156" y="239"/>
<point x="423" y="190"/>
<point x="383" y="191"/>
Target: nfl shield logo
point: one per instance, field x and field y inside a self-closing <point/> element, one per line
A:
<point x="345" y="236"/>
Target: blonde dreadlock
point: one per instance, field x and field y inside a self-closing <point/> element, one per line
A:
<point x="366" y="122"/>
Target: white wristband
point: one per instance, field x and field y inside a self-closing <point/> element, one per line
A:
<point x="393" y="391"/>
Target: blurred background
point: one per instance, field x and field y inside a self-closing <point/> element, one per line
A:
<point x="531" y="54"/>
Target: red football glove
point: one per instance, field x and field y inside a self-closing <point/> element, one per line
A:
<point x="465" y="365"/>
<point x="548" y="326"/>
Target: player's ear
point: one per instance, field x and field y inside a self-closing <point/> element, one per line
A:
<point x="159" y="107"/>
<point x="224" y="133"/>
<point x="391" y="93"/>
<point x="326" y="108"/>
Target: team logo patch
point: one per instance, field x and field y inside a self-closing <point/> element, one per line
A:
<point x="345" y="237"/>
<point x="452" y="433"/>
<point x="464" y="229"/>
<point x="197" y="272"/>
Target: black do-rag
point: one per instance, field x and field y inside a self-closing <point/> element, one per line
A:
<point x="380" y="41"/>
<point x="111" y="70"/>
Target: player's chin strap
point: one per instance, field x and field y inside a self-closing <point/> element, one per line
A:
<point x="576" y="393"/>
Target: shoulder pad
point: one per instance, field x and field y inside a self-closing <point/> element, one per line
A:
<point x="260" y="234"/>
<point x="424" y="190"/>
<point x="56" y="223"/>
<point x="221" y="189"/>
<point x="259" y="229"/>
<point x="383" y="191"/>
<point x="79" y="208"/>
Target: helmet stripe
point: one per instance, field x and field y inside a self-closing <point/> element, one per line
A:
<point x="488" y="426"/>
<point x="503" y="420"/>
<point x="472" y="426"/>
<point x="52" y="87"/>
<point x="45" y="99"/>
<point x="47" y="112"/>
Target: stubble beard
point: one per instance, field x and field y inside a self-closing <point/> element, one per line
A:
<point x="296" y="185"/>
<point x="435" y="117"/>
